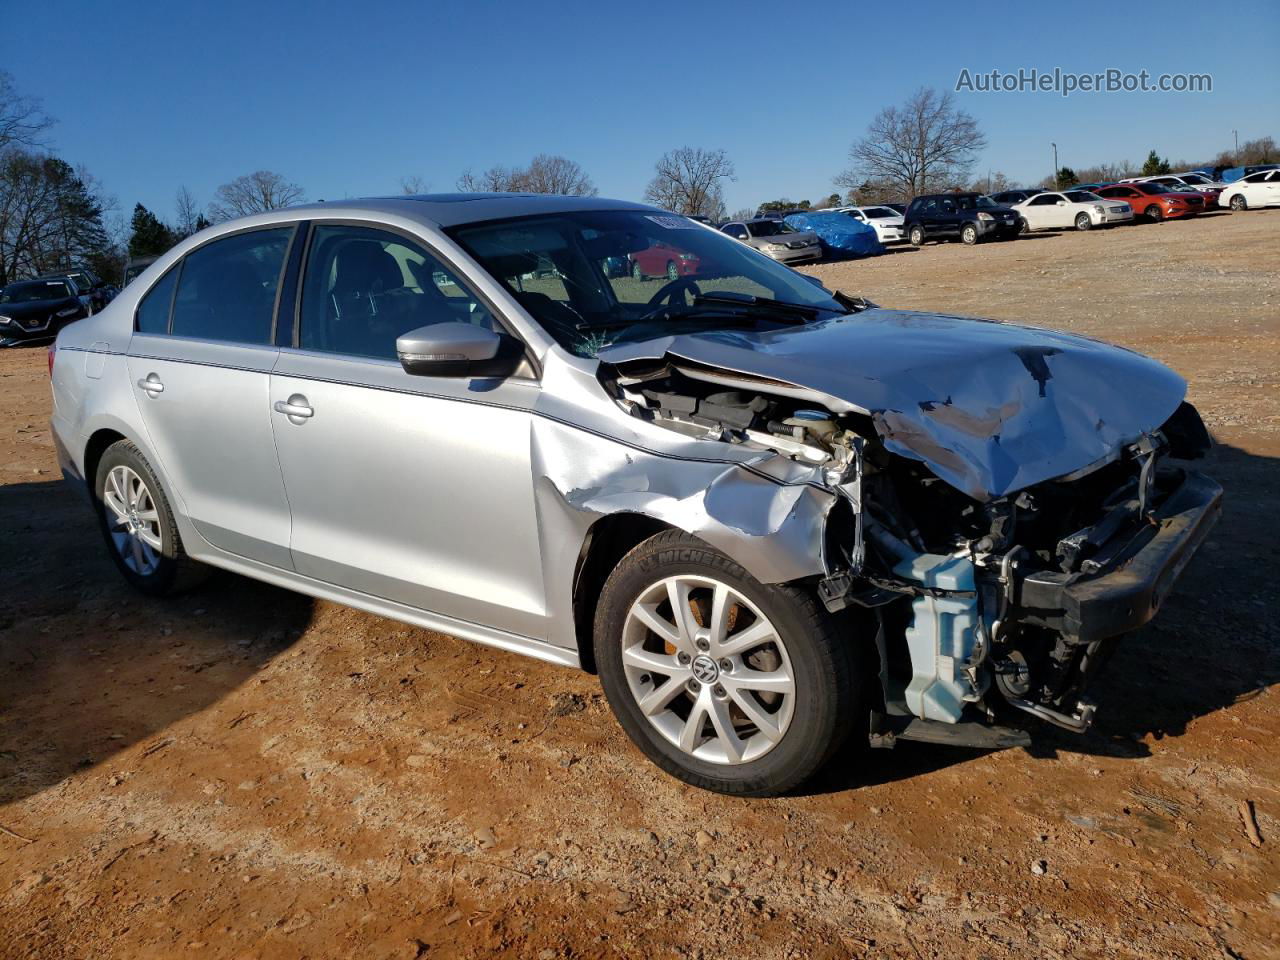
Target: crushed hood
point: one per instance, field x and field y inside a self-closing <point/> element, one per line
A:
<point x="990" y="407"/>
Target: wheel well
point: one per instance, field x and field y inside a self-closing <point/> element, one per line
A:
<point x="609" y="540"/>
<point x="94" y="450"/>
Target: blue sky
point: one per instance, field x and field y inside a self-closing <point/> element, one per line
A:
<point x="346" y="98"/>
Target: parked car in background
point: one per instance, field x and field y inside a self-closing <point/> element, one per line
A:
<point x="32" y="311"/>
<point x="775" y="239"/>
<point x="1010" y="197"/>
<point x="96" y="293"/>
<point x="663" y="260"/>
<point x="1254" y="190"/>
<point x="1071" y="208"/>
<point x="900" y="207"/>
<point x="968" y="217"/>
<point x="1153" y="201"/>
<point x="1187" y="183"/>
<point x="134" y="267"/>
<point x="840" y="236"/>
<point x="883" y="219"/>
<point x="775" y="519"/>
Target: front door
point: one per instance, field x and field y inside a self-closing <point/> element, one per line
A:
<point x="414" y="489"/>
<point x="200" y="367"/>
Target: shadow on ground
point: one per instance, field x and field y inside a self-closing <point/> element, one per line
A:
<point x="89" y="667"/>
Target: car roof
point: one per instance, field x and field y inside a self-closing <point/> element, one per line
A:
<point x="455" y="209"/>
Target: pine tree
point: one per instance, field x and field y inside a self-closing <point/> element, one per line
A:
<point x="149" y="237"/>
<point x="1155" y="165"/>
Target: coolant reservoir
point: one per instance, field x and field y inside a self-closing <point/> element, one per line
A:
<point x="940" y="638"/>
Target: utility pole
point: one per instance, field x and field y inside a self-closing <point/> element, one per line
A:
<point x="1055" y="165"/>
<point x="1236" y="135"/>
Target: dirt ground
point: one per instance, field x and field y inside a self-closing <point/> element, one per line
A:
<point x="245" y="772"/>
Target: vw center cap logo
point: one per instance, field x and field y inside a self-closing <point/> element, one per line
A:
<point x="705" y="669"/>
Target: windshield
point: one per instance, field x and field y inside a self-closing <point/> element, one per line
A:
<point x="879" y="213"/>
<point x="1082" y="196"/>
<point x="594" y="278"/>
<point x="969" y="201"/>
<point x="1152" y="188"/>
<point x="768" y="228"/>
<point x="35" y="290"/>
<point x="1196" y="178"/>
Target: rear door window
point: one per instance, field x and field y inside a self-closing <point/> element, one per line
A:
<point x="153" y="309"/>
<point x="227" y="289"/>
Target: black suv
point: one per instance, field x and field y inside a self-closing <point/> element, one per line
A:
<point x="88" y="283"/>
<point x="968" y="216"/>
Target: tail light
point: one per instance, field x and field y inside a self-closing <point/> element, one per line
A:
<point x="53" y="352"/>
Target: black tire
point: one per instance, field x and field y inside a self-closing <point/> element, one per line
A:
<point x="969" y="234"/>
<point x="1154" y="213"/>
<point x="1023" y="227"/>
<point x="916" y="235"/>
<point x="673" y="272"/>
<point x="830" y="702"/>
<point x="636" y="272"/>
<point x="1083" y="222"/>
<point x="1239" y="203"/>
<point x="174" y="571"/>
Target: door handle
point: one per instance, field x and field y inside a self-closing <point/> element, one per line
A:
<point x="296" y="408"/>
<point x="152" y="385"/>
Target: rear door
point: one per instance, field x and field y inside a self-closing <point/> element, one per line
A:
<point x="1039" y="211"/>
<point x="200" y="366"/>
<point x="414" y="489"/>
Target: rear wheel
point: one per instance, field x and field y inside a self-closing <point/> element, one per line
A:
<point x="138" y="524"/>
<point x="1083" y="222"/>
<point x="724" y="682"/>
<point x="969" y="234"/>
<point x="1154" y="213"/>
<point x="1238" y="203"/>
<point x="636" y="272"/>
<point x="916" y="235"/>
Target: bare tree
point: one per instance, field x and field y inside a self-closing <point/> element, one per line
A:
<point x="410" y="186"/>
<point x="691" y="180"/>
<point x="925" y="144"/>
<point x="22" y="120"/>
<point x="189" y="215"/>
<point x="51" y="214"/>
<point x="253" y="193"/>
<point x="493" y="180"/>
<point x="549" y="173"/>
<point x="546" y="173"/>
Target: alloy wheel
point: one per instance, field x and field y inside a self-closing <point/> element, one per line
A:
<point x="708" y="669"/>
<point x="1238" y="202"/>
<point x="133" y="520"/>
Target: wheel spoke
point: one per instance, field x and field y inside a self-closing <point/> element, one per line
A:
<point x="152" y="540"/>
<point x="149" y="516"/>
<point x="766" y="681"/>
<point x="691" y="732"/>
<point x="647" y="613"/>
<point x="753" y="636"/>
<point x="138" y="560"/>
<point x="648" y="660"/>
<point x="678" y="594"/>
<point x="720" y="719"/>
<point x="656" y="701"/>
<point x="721" y="604"/>
<point x="766" y="723"/>
<point x="113" y="503"/>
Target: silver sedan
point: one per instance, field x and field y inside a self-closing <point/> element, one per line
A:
<point x="770" y="516"/>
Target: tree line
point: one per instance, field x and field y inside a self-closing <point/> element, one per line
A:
<point x="54" y="215"/>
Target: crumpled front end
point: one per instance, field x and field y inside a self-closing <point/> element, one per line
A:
<point x="985" y="595"/>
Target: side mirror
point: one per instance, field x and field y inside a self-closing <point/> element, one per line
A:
<point x="1062" y="203"/>
<point x="456" y="349"/>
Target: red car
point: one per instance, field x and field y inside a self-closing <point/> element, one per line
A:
<point x="1153" y="201"/>
<point x="663" y="260"/>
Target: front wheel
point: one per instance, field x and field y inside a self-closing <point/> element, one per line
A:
<point x="916" y="235"/>
<point x="1083" y="222"/>
<point x="636" y="272"/>
<point x="1154" y="213"/>
<point x="1239" y="203"/>
<point x="138" y="524"/>
<point x="724" y="682"/>
<point x="969" y="234"/>
<point x="673" y="272"/>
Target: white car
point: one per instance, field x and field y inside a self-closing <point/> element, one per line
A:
<point x="887" y="222"/>
<point x="1261" y="189"/>
<point x="1071" y="208"/>
<point x="1177" y="181"/>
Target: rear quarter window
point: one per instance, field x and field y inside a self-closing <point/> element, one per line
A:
<point x="152" y="315"/>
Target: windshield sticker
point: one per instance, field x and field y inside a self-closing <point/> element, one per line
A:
<point x="673" y="223"/>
